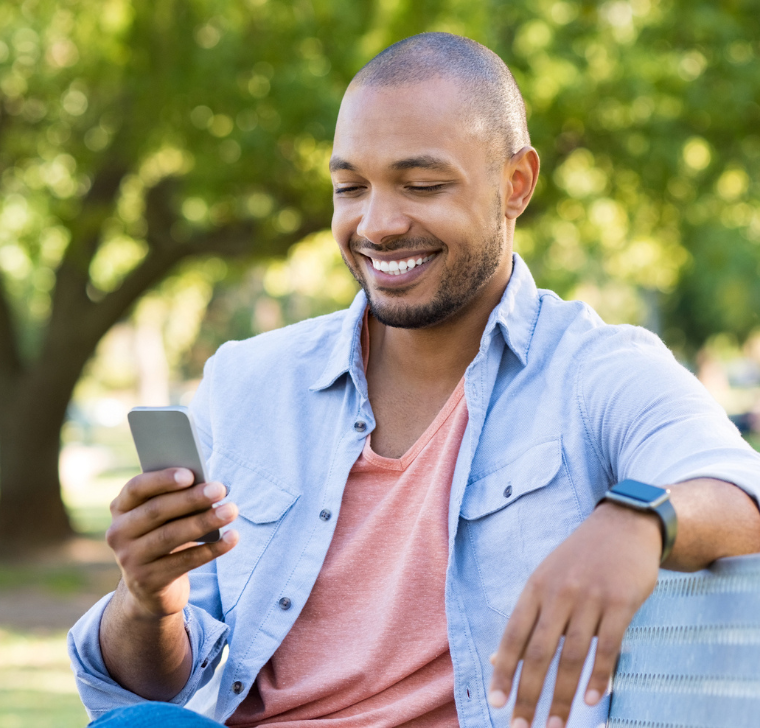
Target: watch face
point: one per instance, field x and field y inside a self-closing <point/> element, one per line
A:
<point x="638" y="491"/>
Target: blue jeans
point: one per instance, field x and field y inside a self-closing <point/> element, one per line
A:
<point x="152" y="715"/>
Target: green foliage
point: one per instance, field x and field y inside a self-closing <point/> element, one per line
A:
<point x="130" y="127"/>
<point x="646" y="117"/>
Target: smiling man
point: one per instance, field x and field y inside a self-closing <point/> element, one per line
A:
<point x="417" y="478"/>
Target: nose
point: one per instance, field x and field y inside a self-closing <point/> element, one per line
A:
<point x="382" y="217"/>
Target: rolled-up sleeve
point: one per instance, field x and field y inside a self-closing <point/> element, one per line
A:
<point x="650" y="419"/>
<point x="204" y="623"/>
<point x="101" y="693"/>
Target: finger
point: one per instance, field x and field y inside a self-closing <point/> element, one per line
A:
<point x="165" y="539"/>
<point x="170" y="568"/>
<point x="160" y="509"/>
<point x="511" y="647"/>
<point x="539" y="653"/>
<point x="578" y="636"/>
<point x="147" y="485"/>
<point x="610" y="636"/>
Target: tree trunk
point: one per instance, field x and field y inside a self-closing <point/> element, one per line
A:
<point x="33" y="410"/>
<point x="31" y="509"/>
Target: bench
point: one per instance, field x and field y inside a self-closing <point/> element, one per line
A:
<point x="691" y="656"/>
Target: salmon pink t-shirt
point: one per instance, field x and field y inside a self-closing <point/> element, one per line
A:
<point x="370" y="647"/>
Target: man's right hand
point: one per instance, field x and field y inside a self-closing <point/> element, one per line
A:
<point x="157" y="518"/>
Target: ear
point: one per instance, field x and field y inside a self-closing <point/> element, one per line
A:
<point x="519" y="180"/>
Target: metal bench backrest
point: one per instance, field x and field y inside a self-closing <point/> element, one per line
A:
<point x="691" y="657"/>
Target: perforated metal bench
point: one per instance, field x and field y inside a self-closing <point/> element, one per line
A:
<point x="691" y="657"/>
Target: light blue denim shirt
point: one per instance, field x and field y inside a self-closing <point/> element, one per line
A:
<point x="561" y="406"/>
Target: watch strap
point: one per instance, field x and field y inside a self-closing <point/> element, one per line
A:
<point x="668" y="527"/>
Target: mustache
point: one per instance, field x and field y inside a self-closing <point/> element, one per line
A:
<point x="405" y="243"/>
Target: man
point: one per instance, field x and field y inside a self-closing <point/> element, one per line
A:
<point x="417" y="477"/>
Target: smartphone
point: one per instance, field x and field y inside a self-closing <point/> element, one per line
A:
<point x="165" y="437"/>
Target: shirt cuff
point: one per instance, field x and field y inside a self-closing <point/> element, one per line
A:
<point x="100" y="692"/>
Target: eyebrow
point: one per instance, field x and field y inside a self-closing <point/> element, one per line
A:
<point x="337" y="163"/>
<point x="424" y="161"/>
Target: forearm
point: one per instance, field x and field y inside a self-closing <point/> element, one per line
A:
<point x="715" y="519"/>
<point x="149" y="656"/>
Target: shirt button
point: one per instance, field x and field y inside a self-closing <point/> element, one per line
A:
<point x="360" y="425"/>
<point x="508" y="491"/>
<point x="284" y="603"/>
<point x="204" y="663"/>
<point x="325" y="515"/>
<point x="237" y="687"/>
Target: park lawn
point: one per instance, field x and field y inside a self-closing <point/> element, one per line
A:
<point x="37" y="687"/>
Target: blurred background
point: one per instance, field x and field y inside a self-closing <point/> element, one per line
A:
<point x="164" y="188"/>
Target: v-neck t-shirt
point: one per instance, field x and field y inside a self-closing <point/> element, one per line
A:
<point x="370" y="647"/>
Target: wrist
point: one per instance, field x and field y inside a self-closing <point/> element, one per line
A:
<point x="133" y="610"/>
<point x="649" y="499"/>
<point x="641" y="527"/>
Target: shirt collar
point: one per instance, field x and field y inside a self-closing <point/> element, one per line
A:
<point x="346" y="355"/>
<point x="517" y="312"/>
<point x="516" y="317"/>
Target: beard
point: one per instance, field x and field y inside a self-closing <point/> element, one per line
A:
<point x="458" y="287"/>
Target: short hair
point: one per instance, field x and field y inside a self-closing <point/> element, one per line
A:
<point x="492" y="90"/>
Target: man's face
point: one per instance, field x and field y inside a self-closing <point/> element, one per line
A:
<point x="418" y="208"/>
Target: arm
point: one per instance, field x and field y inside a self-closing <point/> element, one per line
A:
<point x="593" y="584"/>
<point x="648" y="419"/>
<point x="715" y="519"/>
<point x="155" y="520"/>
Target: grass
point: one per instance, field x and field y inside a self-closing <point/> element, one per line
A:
<point x="37" y="687"/>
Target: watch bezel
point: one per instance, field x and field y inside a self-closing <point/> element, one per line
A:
<point x="638" y="504"/>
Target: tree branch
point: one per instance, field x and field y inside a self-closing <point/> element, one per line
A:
<point x="79" y="322"/>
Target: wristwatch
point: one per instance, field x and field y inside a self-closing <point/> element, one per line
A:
<point x="643" y="497"/>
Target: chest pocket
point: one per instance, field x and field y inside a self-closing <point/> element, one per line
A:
<point x="263" y="505"/>
<point x="515" y="513"/>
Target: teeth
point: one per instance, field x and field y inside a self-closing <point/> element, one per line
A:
<point x="397" y="267"/>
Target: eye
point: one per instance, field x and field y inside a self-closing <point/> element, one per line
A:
<point x="347" y="190"/>
<point x="427" y="188"/>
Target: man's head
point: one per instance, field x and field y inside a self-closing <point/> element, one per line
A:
<point x="431" y="166"/>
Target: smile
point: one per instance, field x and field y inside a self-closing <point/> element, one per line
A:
<point x="399" y="267"/>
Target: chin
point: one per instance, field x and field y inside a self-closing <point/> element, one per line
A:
<point x="402" y="315"/>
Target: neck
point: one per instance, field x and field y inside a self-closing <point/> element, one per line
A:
<point x="438" y="354"/>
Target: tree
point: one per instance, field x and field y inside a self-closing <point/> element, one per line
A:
<point x="135" y="135"/>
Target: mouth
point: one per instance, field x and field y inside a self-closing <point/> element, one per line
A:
<point x="401" y="265"/>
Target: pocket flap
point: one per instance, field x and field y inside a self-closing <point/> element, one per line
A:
<point x="259" y="497"/>
<point x="261" y="501"/>
<point x="502" y="484"/>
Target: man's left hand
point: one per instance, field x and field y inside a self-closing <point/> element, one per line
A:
<point x="589" y="586"/>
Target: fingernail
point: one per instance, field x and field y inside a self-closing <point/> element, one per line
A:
<point x="519" y="723"/>
<point x="213" y="490"/>
<point x="497" y="698"/>
<point x="226" y="511"/>
<point x="592" y="697"/>
<point x="184" y="477"/>
<point x="555" y="722"/>
<point x="230" y="537"/>
<point x="492" y="659"/>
